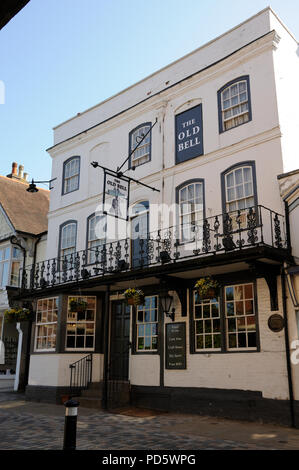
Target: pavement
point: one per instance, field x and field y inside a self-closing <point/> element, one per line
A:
<point x="29" y="425"/>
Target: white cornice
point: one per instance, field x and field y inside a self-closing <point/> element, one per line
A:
<point x="269" y="41"/>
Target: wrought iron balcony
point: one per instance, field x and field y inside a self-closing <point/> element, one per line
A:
<point x="224" y="233"/>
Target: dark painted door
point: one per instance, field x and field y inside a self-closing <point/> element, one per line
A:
<point x="120" y="336"/>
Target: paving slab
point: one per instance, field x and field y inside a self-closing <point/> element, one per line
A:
<point x="40" y="426"/>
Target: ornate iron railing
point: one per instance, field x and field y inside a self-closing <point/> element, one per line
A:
<point x="224" y="233"/>
<point x="81" y="374"/>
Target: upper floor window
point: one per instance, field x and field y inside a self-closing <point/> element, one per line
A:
<point x="191" y="208"/>
<point x="10" y="264"/>
<point x="96" y="236"/>
<point x="143" y="153"/>
<point x="71" y="172"/>
<point x="4" y="265"/>
<point x="234" y="105"/>
<point x="239" y="187"/>
<point x="68" y="235"/>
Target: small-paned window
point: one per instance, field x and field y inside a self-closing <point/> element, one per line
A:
<point x="239" y="189"/>
<point x="240" y="317"/>
<point x="71" y="172"/>
<point x="147" y="325"/>
<point x="4" y="265"/>
<point x="46" y="324"/>
<point x="15" y="266"/>
<point x="234" y="104"/>
<point x="207" y="324"/>
<point x="228" y="326"/>
<point x="80" y="331"/>
<point x="68" y="235"/>
<point x="191" y="210"/>
<point x="96" y="236"/>
<point x="143" y="153"/>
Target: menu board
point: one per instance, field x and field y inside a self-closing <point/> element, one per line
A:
<point x="175" y="350"/>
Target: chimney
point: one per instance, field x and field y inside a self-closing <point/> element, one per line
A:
<point x="18" y="174"/>
<point x="14" y="169"/>
<point x="21" y="170"/>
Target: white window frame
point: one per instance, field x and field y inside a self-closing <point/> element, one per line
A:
<point x="66" y="251"/>
<point x="234" y="106"/>
<point x="77" y="323"/>
<point x="143" y="153"/>
<point x="46" y="323"/>
<point x="204" y="307"/>
<point x="237" y="185"/>
<point x="9" y="262"/>
<point x="92" y="243"/>
<point x="70" y="175"/>
<point x="236" y="316"/>
<point x="195" y="212"/>
<point x="150" y="323"/>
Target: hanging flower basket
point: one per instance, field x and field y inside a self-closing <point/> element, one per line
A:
<point x="207" y="288"/>
<point x="134" y="296"/>
<point x="14" y="315"/>
<point x="77" y="305"/>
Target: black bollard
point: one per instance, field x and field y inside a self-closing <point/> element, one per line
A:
<point x="70" y="424"/>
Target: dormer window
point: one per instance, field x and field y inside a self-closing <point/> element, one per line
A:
<point x="143" y="153"/>
<point x="71" y="173"/>
<point x="234" y="104"/>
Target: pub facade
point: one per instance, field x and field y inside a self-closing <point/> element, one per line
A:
<point x="197" y="199"/>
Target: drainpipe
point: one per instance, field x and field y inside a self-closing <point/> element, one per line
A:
<point x="18" y="365"/>
<point x="287" y="346"/>
<point x="106" y="347"/>
<point x="27" y="364"/>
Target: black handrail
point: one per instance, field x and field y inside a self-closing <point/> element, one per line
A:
<point x="81" y="374"/>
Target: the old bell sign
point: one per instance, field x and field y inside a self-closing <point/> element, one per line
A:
<point x="276" y="322"/>
<point x="188" y="134"/>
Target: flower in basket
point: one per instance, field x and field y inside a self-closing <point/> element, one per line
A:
<point x="134" y="296"/>
<point x="207" y="288"/>
<point x="14" y="315"/>
<point x="77" y="305"/>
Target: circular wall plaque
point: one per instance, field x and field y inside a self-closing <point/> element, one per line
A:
<point x="276" y="322"/>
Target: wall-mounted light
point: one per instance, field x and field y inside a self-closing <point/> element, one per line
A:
<point x="32" y="186"/>
<point x="166" y="301"/>
<point x="293" y="284"/>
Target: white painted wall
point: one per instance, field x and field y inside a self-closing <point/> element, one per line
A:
<point x="263" y="371"/>
<point x="53" y="369"/>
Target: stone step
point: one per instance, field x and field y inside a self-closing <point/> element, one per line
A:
<point x="90" y="402"/>
<point x="95" y="386"/>
<point x="92" y="393"/>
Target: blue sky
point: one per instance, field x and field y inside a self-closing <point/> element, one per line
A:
<point x="60" y="57"/>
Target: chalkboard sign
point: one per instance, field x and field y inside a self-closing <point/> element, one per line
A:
<point x="175" y="351"/>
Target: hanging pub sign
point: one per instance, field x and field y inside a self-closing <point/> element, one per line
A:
<point x="116" y="195"/>
<point x="188" y="134"/>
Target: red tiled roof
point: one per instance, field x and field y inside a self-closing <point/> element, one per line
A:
<point x="26" y="211"/>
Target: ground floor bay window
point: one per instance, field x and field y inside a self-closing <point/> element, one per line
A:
<point x="46" y="324"/>
<point x="227" y="323"/>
